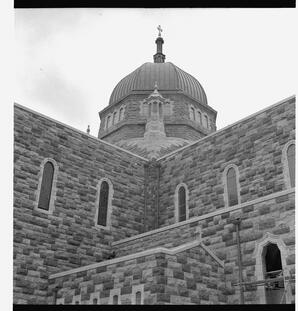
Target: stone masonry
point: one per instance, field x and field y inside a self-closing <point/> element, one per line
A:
<point x="63" y="256"/>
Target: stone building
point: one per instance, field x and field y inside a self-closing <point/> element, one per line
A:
<point x="161" y="208"/>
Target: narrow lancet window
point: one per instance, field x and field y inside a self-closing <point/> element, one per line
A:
<point x="114" y="117"/>
<point x="232" y="187"/>
<point x="138" y="298"/>
<point x="193" y="114"/>
<point x="46" y="186"/>
<point x="206" y="121"/>
<point x="103" y="204"/>
<point x="200" y="117"/>
<point x="182" y="204"/>
<point x="121" y="114"/>
<point x="115" y="299"/>
<point x="291" y="163"/>
<point x="108" y="121"/>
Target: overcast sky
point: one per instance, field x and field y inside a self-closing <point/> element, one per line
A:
<point x="69" y="60"/>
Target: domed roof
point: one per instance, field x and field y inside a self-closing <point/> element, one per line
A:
<point x="168" y="77"/>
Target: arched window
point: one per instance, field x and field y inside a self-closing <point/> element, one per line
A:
<point x="231" y="184"/>
<point x="288" y="160"/>
<point x="200" y="116"/>
<point x="271" y="264"/>
<point x="291" y="163"/>
<point x="121" y="114"/>
<point x="192" y="114"/>
<point x="115" y="299"/>
<point x="47" y="185"/>
<point x="232" y="187"/>
<point x="206" y="123"/>
<point x="138" y="297"/>
<point x="94" y="298"/>
<point x="108" y="121"/>
<point x="104" y="203"/>
<point x="273" y="269"/>
<point x="181" y="202"/>
<point x="115" y="117"/>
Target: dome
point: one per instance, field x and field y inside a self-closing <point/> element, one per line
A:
<point x="168" y="77"/>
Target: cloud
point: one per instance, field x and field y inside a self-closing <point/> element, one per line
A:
<point x="51" y="89"/>
<point x="35" y="26"/>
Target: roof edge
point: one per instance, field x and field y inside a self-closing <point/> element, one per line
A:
<point x="228" y="126"/>
<point x="78" y="131"/>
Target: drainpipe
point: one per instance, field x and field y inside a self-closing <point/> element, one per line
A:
<point x="237" y="226"/>
<point x="145" y="196"/>
<point x="157" y="194"/>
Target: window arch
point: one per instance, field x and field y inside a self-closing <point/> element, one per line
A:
<point x="289" y="164"/>
<point x="231" y="184"/>
<point x="46" y="192"/>
<point x="104" y="203"/>
<point x="181" y="203"/>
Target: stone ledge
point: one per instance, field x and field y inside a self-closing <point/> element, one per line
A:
<point x="212" y="214"/>
<point x="169" y="251"/>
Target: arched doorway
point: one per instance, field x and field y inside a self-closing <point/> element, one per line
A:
<point x="273" y="272"/>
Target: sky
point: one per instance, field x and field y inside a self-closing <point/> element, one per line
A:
<point x="68" y="61"/>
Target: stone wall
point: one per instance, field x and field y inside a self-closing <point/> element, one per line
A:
<point x="271" y="216"/>
<point x="123" y="130"/>
<point x="67" y="238"/>
<point x="254" y="145"/>
<point x="184" y="131"/>
<point x="188" y="277"/>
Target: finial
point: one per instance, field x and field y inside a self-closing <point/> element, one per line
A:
<point x="159" y="30"/>
<point x="155" y="86"/>
<point x="88" y="129"/>
<point x="159" y="57"/>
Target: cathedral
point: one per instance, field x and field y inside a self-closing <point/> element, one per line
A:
<point x="161" y="207"/>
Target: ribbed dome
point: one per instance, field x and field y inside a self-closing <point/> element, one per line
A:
<point x="168" y="76"/>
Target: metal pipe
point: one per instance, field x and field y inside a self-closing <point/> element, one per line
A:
<point x="145" y="196"/>
<point x="237" y="225"/>
<point x="157" y="194"/>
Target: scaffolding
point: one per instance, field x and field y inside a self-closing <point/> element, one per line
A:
<point x="274" y="280"/>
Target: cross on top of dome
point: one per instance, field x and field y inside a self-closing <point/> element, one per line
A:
<point x="159" y="30"/>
